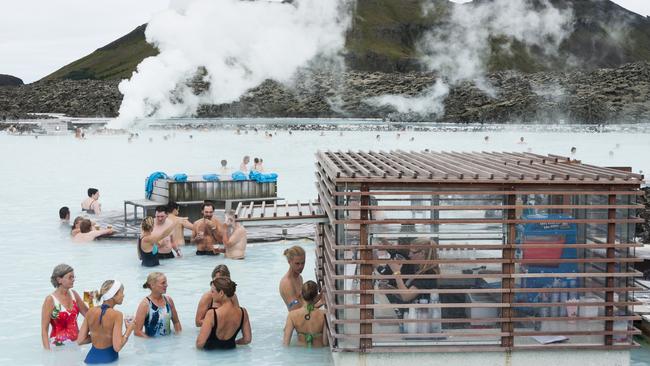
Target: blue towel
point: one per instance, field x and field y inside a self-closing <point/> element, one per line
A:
<point x="211" y="177"/>
<point x="180" y="177"/>
<point x="148" y="187"/>
<point x="263" y="177"/>
<point x="238" y="175"/>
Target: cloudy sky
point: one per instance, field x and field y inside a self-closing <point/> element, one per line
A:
<point x="33" y="43"/>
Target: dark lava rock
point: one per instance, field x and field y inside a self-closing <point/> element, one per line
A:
<point x="8" y="80"/>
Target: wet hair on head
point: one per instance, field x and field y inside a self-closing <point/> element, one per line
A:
<point x="76" y="221"/>
<point x="309" y="291"/>
<point x="64" y="212"/>
<point x="105" y="287"/>
<point x="226" y="285"/>
<point x="221" y="269"/>
<point x="161" y="209"/>
<point x="92" y="191"/>
<point x="207" y="203"/>
<point x="171" y="206"/>
<point x="58" y="272"/>
<point x="294" y="251"/>
<point x="256" y="160"/>
<point x="85" y="226"/>
<point x="152" y="278"/>
<point x="224" y="162"/>
<point x="147" y="224"/>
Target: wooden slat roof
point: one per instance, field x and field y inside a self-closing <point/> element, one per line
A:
<point x="466" y="167"/>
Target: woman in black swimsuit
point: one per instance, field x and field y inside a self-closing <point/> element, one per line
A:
<point x="148" y="243"/>
<point x="221" y="326"/>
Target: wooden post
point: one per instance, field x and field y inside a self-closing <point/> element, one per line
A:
<point x="611" y="268"/>
<point x="508" y="254"/>
<point x="366" y="270"/>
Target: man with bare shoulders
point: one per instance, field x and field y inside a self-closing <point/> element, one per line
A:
<point x="206" y="232"/>
<point x="291" y="283"/>
<point x="166" y="244"/>
<point x="235" y="237"/>
<point x="178" y="235"/>
<point x="87" y="234"/>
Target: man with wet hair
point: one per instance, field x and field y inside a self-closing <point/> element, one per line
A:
<point x="64" y="215"/>
<point x="91" y="204"/>
<point x="178" y="236"/>
<point x="207" y="231"/>
<point x="165" y="245"/>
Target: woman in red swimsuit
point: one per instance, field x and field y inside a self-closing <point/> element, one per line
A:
<point x="60" y="309"/>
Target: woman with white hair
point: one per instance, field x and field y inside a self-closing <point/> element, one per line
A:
<point x="61" y="308"/>
<point x="103" y="325"/>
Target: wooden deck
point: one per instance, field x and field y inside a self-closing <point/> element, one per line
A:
<point x="264" y="222"/>
<point x="280" y="213"/>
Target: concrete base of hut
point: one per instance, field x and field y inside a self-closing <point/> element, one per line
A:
<point x="518" y="358"/>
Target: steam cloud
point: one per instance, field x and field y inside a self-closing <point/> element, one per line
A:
<point x="239" y="44"/>
<point x="460" y="50"/>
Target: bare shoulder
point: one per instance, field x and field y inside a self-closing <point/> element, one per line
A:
<point x="48" y="301"/>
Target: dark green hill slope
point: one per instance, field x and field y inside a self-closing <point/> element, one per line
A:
<point x="117" y="60"/>
<point x="384" y="35"/>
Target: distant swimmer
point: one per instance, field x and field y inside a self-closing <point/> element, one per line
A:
<point x="87" y="234"/>
<point x="168" y="242"/>
<point x="573" y="150"/>
<point x="60" y="310"/>
<point x="291" y="283"/>
<point x="243" y="167"/>
<point x="378" y="137"/>
<point x="256" y="165"/>
<point x="91" y="204"/>
<point x="103" y="325"/>
<point x="398" y="136"/>
<point x="521" y="140"/>
<point x="412" y="139"/>
<point x="290" y="133"/>
<point x="75" y="225"/>
<point x="224" y="170"/>
<point x="156" y="312"/>
<point x="64" y="215"/>
<point x="235" y="237"/>
<point x="178" y="236"/>
<point x="486" y="138"/>
<point x="207" y="232"/>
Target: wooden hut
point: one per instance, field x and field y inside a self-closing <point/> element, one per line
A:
<point x="473" y="252"/>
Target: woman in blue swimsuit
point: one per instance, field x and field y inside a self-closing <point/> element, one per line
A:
<point x="156" y="312"/>
<point x="147" y="242"/>
<point x="103" y="326"/>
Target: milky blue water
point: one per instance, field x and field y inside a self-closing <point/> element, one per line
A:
<point x="40" y="175"/>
